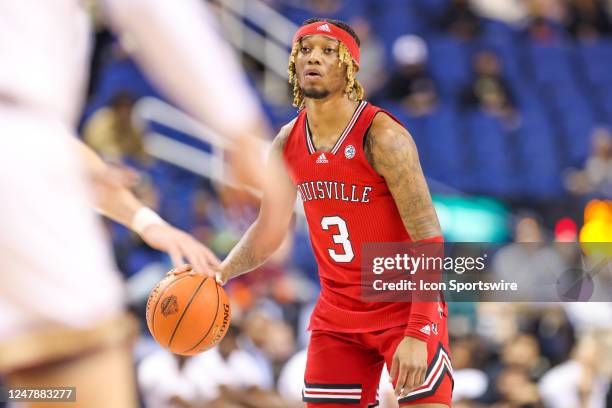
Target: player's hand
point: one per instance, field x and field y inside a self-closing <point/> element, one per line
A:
<point x="180" y="245"/>
<point x="409" y="365"/>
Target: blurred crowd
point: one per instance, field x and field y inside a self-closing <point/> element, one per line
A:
<point x="504" y="98"/>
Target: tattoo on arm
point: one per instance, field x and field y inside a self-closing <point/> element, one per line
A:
<point x="392" y="153"/>
<point x="243" y="258"/>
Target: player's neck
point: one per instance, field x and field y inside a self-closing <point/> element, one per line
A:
<point x="330" y="115"/>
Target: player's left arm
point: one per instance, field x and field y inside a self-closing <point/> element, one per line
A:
<point x="393" y="154"/>
<point x="113" y="198"/>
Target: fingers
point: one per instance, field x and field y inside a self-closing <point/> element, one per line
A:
<point x="190" y="251"/>
<point x="181" y="246"/>
<point x="401" y="378"/>
<point x="185" y="268"/>
<point x="422" y="377"/>
<point x="411" y="379"/>
<point x="176" y="256"/>
<point x="394" y="369"/>
<point x="203" y="259"/>
<point x="414" y="379"/>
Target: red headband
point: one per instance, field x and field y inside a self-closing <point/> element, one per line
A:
<point x="330" y="30"/>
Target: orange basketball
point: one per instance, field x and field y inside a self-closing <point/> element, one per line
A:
<point x="188" y="314"/>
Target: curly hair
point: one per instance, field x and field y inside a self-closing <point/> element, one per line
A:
<point x="353" y="87"/>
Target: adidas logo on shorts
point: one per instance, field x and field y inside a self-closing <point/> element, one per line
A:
<point x="324" y="27"/>
<point x="426" y="330"/>
<point x="322" y="159"/>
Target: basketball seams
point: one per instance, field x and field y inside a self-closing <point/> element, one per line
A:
<point x="211" y="325"/>
<point x="161" y="295"/>
<point x="195" y="292"/>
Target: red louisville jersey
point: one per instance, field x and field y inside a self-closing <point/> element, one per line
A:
<point x="347" y="203"/>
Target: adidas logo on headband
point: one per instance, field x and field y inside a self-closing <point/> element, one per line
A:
<point x="324" y="27"/>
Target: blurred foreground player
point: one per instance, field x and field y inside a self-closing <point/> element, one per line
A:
<point x="358" y="173"/>
<point x="62" y="320"/>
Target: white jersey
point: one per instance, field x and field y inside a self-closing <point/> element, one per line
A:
<point x="55" y="267"/>
<point x="44" y="49"/>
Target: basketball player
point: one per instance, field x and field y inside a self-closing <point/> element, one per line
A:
<point x="62" y="320"/>
<point x="358" y="173"/>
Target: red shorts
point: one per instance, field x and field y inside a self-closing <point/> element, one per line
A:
<point x="345" y="368"/>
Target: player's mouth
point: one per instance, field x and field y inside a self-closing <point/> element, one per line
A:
<point x="312" y="73"/>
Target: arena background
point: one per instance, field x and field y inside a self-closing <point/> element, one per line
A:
<point x="510" y="104"/>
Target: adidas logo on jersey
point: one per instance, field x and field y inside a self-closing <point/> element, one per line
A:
<point x="426" y="330"/>
<point x="324" y="27"/>
<point x="322" y="159"/>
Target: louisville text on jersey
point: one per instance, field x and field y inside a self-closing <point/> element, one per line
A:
<point x="334" y="190"/>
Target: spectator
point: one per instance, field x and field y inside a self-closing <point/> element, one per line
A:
<point x="168" y="380"/>
<point x="542" y="32"/>
<point x="217" y="374"/>
<point x="596" y="177"/>
<point x="588" y="20"/>
<point x="577" y="382"/>
<point x="470" y="382"/>
<point x="555" y="334"/>
<point x="530" y="263"/>
<point x="545" y="21"/>
<point x="523" y="352"/>
<point x="410" y="84"/>
<point x="268" y="337"/>
<point x="291" y="377"/>
<point x="113" y="134"/>
<point x="516" y="389"/>
<point x="461" y="21"/>
<point x="489" y="91"/>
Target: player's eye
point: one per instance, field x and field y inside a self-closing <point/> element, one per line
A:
<point x="330" y="50"/>
<point x="305" y="50"/>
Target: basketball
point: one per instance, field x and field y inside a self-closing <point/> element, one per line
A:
<point x="188" y="314"/>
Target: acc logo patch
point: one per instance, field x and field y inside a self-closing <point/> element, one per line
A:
<point x="349" y="151"/>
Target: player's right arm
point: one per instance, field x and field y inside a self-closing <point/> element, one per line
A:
<point x="269" y="229"/>
<point x="113" y="199"/>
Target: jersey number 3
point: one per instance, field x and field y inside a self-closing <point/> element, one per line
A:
<point x="342" y="238"/>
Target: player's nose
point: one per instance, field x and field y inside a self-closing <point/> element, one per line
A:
<point x="314" y="57"/>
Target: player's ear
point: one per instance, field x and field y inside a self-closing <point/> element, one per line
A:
<point x="355" y="67"/>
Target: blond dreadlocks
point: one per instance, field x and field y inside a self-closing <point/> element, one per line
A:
<point x="353" y="88"/>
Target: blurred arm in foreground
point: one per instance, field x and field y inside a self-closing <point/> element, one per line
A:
<point x="113" y="199"/>
<point x="178" y="47"/>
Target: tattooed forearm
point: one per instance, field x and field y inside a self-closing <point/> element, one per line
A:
<point x="244" y="257"/>
<point x="392" y="153"/>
